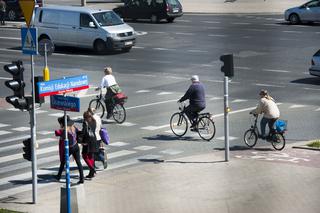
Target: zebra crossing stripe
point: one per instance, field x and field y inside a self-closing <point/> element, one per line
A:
<point x="151" y="128"/>
<point x="120" y="153"/>
<point x="4" y="132"/>
<point x="4" y="125"/>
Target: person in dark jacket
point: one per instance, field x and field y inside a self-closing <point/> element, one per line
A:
<point x="197" y="101"/>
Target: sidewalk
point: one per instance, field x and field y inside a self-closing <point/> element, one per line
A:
<point x="196" y="184"/>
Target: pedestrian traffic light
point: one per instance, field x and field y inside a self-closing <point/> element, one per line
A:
<point x="227" y="67"/>
<point x="16" y="84"/>
<point x="27" y="149"/>
<point x="38" y="99"/>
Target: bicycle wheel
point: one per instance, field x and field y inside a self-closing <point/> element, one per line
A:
<point x="98" y="106"/>
<point x="250" y="138"/>
<point x="206" y="128"/>
<point x="178" y="124"/>
<point x="278" y="141"/>
<point x="119" y="113"/>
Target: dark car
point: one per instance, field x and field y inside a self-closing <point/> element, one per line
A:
<point x="155" y="10"/>
<point x="14" y="11"/>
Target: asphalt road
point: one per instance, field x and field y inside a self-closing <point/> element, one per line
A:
<point x="268" y="54"/>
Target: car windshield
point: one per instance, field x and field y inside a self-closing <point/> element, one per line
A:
<point x="172" y="2"/>
<point x="107" y="18"/>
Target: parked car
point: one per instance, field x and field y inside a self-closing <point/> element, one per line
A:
<point x="315" y="64"/>
<point x="14" y="11"/>
<point x="155" y="10"/>
<point x="308" y="12"/>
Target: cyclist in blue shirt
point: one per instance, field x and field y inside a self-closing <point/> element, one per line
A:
<point x="197" y="101"/>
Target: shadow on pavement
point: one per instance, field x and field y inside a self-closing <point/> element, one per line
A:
<point x="172" y="138"/>
<point x="311" y="80"/>
<point x="156" y="161"/>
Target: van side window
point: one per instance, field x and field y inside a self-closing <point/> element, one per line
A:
<point x="85" y="19"/>
<point x="50" y="17"/>
<point x="40" y="16"/>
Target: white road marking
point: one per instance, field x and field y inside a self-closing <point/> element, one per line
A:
<point x="296" y="106"/>
<point x="164" y="93"/>
<point x="184" y="33"/>
<point x="118" y="144"/>
<point x="38" y="111"/>
<point x="230" y="138"/>
<point x="238" y="100"/>
<point x="318" y="109"/>
<point x="306" y="88"/>
<point x="241" y="23"/>
<point x="291" y="31"/>
<point x="143" y="91"/>
<point x="16" y="138"/>
<point x="197" y="51"/>
<point x="280" y="71"/>
<point x="4" y="78"/>
<point x="151" y="128"/>
<point x="120" y="153"/>
<point x="215" y="98"/>
<point x="182" y="20"/>
<point x="269" y="85"/>
<point x="10" y="38"/>
<point x="144" y="148"/>
<point x="59" y="114"/>
<point x="243" y="68"/>
<point x="217" y="35"/>
<point x="13" y="109"/>
<point x="157" y="32"/>
<point x="4" y="132"/>
<point x="45" y="132"/>
<point x="151" y="104"/>
<point x="127" y="124"/>
<point x="81" y="93"/>
<point x="277" y="25"/>
<point x="21" y="129"/>
<point x="212" y="22"/>
<point x="4" y="125"/>
<point x="171" y="151"/>
<point x="163" y="49"/>
<point x="137" y="47"/>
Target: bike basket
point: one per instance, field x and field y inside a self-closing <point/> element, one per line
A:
<point x="120" y="97"/>
<point x="281" y="125"/>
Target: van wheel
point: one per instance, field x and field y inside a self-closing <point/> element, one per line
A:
<point x="99" y="46"/>
<point x="154" y="19"/>
<point x="170" y="20"/>
<point x="12" y="15"/>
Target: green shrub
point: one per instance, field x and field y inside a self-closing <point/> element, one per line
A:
<point x="314" y="144"/>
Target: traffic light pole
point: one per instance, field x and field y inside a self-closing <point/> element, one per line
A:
<point x="226" y="118"/>
<point x="33" y="138"/>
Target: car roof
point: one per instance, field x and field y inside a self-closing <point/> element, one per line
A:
<point x="73" y="8"/>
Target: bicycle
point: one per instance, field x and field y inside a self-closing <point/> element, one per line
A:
<point x="204" y="124"/>
<point x="276" y="135"/>
<point x="118" y="109"/>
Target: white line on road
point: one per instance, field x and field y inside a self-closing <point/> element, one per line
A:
<point x="4" y="78"/>
<point x="243" y="68"/>
<point x="10" y="38"/>
<point x="271" y="70"/>
<point x="163" y="49"/>
<point x="151" y="104"/>
<point x="291" y="31"/>
<point x="120" y="153"/>
<point x="269" y="85"/>
<point x="184" y="33"/>
<point x="212" y="22"/>
<point x="306" y="88"/>
<point x="241" y="23"/>
<point x="217" y="35"/>
<point x="151" y="128"/>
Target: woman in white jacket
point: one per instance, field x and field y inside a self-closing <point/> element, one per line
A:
<point x="270" y="110"/>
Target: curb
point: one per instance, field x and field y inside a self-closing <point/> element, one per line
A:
<point x="306" y="147"/>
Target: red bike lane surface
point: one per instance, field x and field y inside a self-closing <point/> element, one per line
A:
<point x="300" y="157"/>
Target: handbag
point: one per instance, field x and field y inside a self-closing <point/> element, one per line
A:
<point x="104" y="136"/>
<point x="80" y="137"/>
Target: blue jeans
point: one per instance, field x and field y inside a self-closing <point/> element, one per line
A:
<point x="263" y="123"/>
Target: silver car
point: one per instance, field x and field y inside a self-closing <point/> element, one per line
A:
<point x="308" y="12"/>
<point x="315" y="64"/>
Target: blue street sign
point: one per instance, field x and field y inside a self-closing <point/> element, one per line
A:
<point x="64" y="85"/>
<point x="29" y="41"/>
<point x="66" y="103"/>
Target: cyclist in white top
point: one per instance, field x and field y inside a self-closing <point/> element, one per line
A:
<point x="109" y="82"/>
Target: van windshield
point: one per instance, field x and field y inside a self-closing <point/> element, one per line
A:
<point x="107" y="18"/>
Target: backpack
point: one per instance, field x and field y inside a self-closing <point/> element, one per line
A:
<point x="104" y="136"/>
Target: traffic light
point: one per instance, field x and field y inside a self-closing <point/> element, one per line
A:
<point x="16" y="84"/>
<point x="227" y="67"/>
<point x="38" y="99"/>
<point x="27" y="149"/>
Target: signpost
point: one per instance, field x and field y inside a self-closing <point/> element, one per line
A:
<point x="65" y="103"/>
<point x="29" y="46"/>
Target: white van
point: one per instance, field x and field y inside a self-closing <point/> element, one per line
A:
<point x="84" y="27"/>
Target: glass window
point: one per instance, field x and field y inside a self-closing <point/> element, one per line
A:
<point x="108" y="18"/>
<point x="85" y="19"/>
<point x="172" y="2"/>
<point x="312" y="4"/>
<point x="50" y="17"/>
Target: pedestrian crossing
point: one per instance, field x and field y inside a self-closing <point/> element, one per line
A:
<point x="121" y="153"/>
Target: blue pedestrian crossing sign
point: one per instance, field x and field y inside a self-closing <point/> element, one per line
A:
<point x="29" y="41"/>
